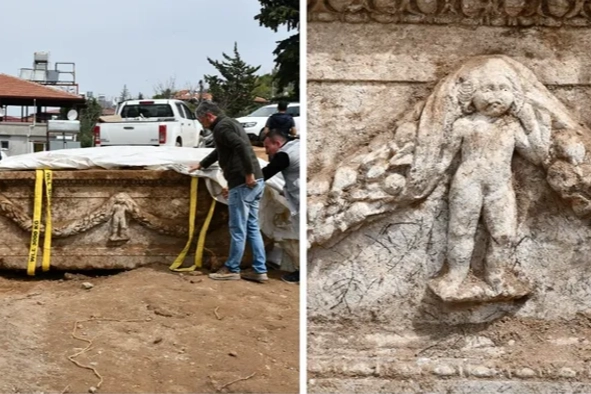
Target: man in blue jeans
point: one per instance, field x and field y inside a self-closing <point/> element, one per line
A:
<point x="242" y="171"/>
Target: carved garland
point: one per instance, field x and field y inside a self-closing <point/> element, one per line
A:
<point x="470" y="12"/>
<point x="115" y="209"/>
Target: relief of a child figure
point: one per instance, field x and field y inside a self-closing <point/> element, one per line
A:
<point x="495" y="125"/>
<point x="119" y="219"/>
<point x="458" y="147"/>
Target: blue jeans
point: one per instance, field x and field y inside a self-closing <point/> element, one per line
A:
<point x="243" y="207"/>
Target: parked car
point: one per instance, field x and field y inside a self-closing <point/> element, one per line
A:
<point x="149" y="122"/>
<point x="206" y="140"/>
<point x="254" y="123"/>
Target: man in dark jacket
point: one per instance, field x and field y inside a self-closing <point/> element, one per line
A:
<point x="243" y="173"/>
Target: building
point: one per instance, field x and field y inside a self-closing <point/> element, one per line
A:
<point x="28" y="133"/>
<point x="187" y="95"/>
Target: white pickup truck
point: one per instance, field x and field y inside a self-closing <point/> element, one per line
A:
<point x="159" y="122"/>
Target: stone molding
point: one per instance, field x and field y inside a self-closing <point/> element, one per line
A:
<point x="550" y="13"/>
<point x="399" y="369"/>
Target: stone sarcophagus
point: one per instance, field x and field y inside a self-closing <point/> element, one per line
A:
<point x="109" y="219"/>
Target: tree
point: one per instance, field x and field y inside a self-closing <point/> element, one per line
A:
<point x="165" y="90"/>
<point x="124" y="95"/>
<point x="265" y="88"/>
<point x="88" y="117"/>
<point x="234" y="90"/>
<point x="140" y="96"/>
<point x="194" y="101"/>
<point x="276" y="13"/>
<point x="201" y="91"/>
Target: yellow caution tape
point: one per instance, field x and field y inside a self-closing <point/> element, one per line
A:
<point x="41" y="176"/>
<point x="202" y="234"/>
<point x="192" y="213"/>
<point x="48" y="176"/>
<point x="36" y="229"/>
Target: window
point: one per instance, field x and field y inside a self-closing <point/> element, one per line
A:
<point x="264" y="112"/>
<point x="147" y="111"/>
<point x="294" y="111"/>
<point x="190" y="114"/>
<point x="38" y="146"/>
<point x="4" y="145"/>
<point x="181" y="112"/>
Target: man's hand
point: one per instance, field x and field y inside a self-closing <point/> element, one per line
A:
<point x="225" y="192"/>
<point x="196" y="167"/>
<point x="250" y="181"/>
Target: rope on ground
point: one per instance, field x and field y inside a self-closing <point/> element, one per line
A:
<point x="234" y="381"/>
<point x="89" y="346"/>
<point x="216" y="313"/>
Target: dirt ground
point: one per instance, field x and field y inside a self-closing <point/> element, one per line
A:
<point x="148" y="330"/>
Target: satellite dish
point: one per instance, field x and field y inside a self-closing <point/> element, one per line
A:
<point x="72" y="114"/>
<point x="1" y="112"/>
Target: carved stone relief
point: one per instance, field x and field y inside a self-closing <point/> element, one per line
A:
<point x="465" y="147"/>
<point x="471" y="12"/>
<point x="115" y="210"/>
<point x="121" y="205"/>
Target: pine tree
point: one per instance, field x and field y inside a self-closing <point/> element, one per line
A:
<point x="274" y="14"/>
<point x="88" y="117"/>
<point x="125" y="95"/>
<point x="234" y="91"/>
<point x="265" y="88"/>
<point x="140" y="96"/>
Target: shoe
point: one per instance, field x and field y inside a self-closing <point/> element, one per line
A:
<point x="292" y="278"/>
<point x="224" y="274"/>
<point x="254" y="276"/>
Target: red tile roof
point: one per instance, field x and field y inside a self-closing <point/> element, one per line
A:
<point x="8" y="118"/>
<point x="186" y="95"/>
<point x="16" y="88"/>
<point x="260" y="100"/>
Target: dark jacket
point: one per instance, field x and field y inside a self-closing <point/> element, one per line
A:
<point x="281" y="121"/>
<point x="233" y="152"/>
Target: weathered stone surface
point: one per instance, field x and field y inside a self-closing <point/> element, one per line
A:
<point x="525" y="373"/>
<point x="467" y="12"/>
<point x="414" y="54"/>
<point x="109" y="219"/>
<point x="442" y="260"/>
<point x="459" y="386"/>
<point x="444" y="370"/>
<point x="484" y="113"/>
<point x="360" y="86"/>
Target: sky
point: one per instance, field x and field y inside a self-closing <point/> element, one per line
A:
<point x="131" y="42"/>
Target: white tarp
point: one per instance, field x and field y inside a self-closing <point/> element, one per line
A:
<point x="274" y="213"/>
